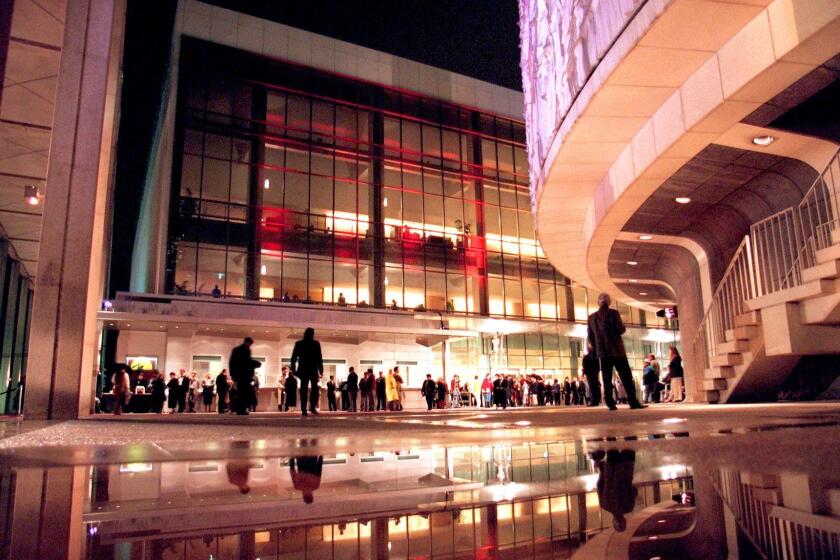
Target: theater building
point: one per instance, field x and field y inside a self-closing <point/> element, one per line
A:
<point x="303" y="181"/>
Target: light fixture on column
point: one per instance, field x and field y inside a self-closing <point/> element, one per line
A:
<point x="266" y="184"/>
<point x="263" y="270"/>
<point x="31" y="195"/>
<point x="385" y="201"/>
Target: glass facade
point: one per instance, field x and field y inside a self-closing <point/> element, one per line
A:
<point x="15" y="307"/>
<point x="294" y="185"/>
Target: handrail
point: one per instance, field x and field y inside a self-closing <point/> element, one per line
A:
<point x="772" y="257"/>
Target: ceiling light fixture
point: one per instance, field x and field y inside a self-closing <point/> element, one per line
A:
<point x="682" y="199"/>
<point x="31" y="195"/>
<point x="632" y="263"/>
<point x="764" y="140"/>
<point x="267" y="184"/>
<point x="642" y="293"/>
<point x="632" y="280"/>
<point x="645" y="237"/>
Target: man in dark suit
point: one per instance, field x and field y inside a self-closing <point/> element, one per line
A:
<point x="308" y="365"/>
<point x="242" y="368"/>
<point x="183" y="390"/>
<point x="604" y="335"/>
<point x="428" y="391"/>
<point x="353" y="388"/>
<point x="590" y="370"/>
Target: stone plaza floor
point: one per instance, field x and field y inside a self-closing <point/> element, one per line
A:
<point x="670" y="481"/>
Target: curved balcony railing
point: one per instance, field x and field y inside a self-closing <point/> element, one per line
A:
<point x="772" y="257"/>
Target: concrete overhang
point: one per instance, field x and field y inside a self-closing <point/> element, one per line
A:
<point x="659" y="97"/>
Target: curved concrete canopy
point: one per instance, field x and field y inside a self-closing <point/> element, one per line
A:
<point x="678" y="89"/>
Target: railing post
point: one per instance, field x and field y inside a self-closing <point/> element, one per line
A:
<point x="750" y="268"/>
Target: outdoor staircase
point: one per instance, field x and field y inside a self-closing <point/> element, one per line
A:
<point x="767" y="341"/>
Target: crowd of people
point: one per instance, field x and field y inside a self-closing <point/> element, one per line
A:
<point x="236" y="392"/>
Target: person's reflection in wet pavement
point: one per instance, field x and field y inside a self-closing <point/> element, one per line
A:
<point x="306" y="474"/>
<point x="616" y="492"/>
<point x="238" y="471"/>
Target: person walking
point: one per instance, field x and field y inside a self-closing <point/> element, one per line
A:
<point x="352" y="388"/>
<point x="428" y="391"/>
<point x="675" y="372"/>
<point x="333" y="405"/>
<point x="604" y="331"/>
<point x="308" y="364"/>
<point x="121" y="384"/>
<point x="222" y="390"/>
<point x="242" y="367"/>
<point x="380" y="392"/>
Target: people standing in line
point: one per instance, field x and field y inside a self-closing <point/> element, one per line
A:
<point x="255" y="400"/>
<point x="366" y="390"/>
<point x="121" y="386"/>
<point x="380" y="392"/>
<point x="174" y="388"/>
<point x="511" y="389"/>
<point x="604" y="331"/>
<point x="675" y="373"/>
<point x="207" y="392"/>
<point x="281" y="389"/>
<point x="499" y="392"/>
<point x="399" y="381"/>
<point x="242" y="368"/>
<point x="308" y="364"/>
<point x="222" y="391"/>
<point x="581" y="391"/>
<point x="352" y="388"/>
<point x="183" y="391"/>
<point x="392" y="394"/>
<point x="591" y="369"/>
<point x="429" y="390"/>
<point x="567" y="392"/>
<point x="331" y="394"/>
<point x="291" y="390"/>
<point x="158" y="392"/>
<point x="556" y="390"/>
<point x="192" y="392"/>
<point x="487" y="392"/>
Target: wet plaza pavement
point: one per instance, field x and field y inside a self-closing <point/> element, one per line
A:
<point x="677" y="481"/>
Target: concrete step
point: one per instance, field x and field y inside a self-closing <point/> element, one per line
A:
<point x="742" y="333"/>
<point x="835" y="236"/>
<point x="804" y="292"/>
<point x="824" y="271"/>
<point x="712" y="396"/>
<point x="829" y="254"/>
<point x="823" y="310"/>
<point x="714" y="384"/>
<point x="733" y="346"/>
<point x="721" y="372"/>
<point x="729" y="359"/>
<point x="750" y="318"/>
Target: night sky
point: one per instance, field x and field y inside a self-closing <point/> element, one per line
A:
<point x="477" y="38"/>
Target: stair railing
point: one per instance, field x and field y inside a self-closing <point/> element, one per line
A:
<point x="772" y="258"/>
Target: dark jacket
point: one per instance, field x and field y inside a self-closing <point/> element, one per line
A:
<point x="242" y="366"/>
<point x="221" y="384"/>
<point x="675" y="368"/>
<point x="604" y="333"/>
<point x="591" y="366"/>
<point x="428" y="388"/>
<point x="352" y="381"/>
<point x="380" y="387"/>
<point x="306" y="358"/>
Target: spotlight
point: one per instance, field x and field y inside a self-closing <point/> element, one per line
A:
<point x="645" y="237"/>
<point x="267" y="184"/>
<point x="31" y="195"/>
<point x="764" y="140"/>
<point x="683" y="199"/>
<point x="632" y="263"/>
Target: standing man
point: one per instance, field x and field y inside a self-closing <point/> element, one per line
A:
<point x="428" y="391"/>
<point x="380" y="392"/>
<point x="331" y="394"/>
<point x="183" y="390"/>
<point x="591" y="368"/>
<point x="222" y="391"/>
<point x="353" y="388"/>
<point x="308" y="365"/>
<point x="242" y="367"/>
<point x="604" y="335"/>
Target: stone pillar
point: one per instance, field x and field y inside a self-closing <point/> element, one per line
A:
<point x="69" y="285"/>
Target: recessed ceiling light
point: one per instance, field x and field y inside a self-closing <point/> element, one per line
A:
<point x="764" y="140"/>
<point x="683" y="199"/>
<point x="632" y="281"/>
<point x="632" y="263"/>
<point x="642" y="293"/>
<point x="645" y="237"/>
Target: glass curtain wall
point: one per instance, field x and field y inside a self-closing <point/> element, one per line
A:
<point x="15" y="307"/>
<point x="292" y="185"/>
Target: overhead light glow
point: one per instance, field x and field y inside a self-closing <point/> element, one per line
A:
<point x="764" y="140"/>
<point x="645" y="237"/>
<point x="385" y="202"/>
<point x="632" y="280"/>
<point x="632" y="263"/>
<point x="683" y="199"/>
<point x="267" y="183"/>
<point x="642" y="293"/>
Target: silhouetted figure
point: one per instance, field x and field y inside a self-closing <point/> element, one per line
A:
<point x="308" y="365"/>
<point x="331" y="394"/>
<point x="242" y="368"/>
<point x="604" y="335"/>
<point x="428" y="391"/>
<point x="238" y="471"/>
<point x="291" y="392"/>
<point x="353" y="388"/>
<point x="306" y="475"/>
<point x="222" y="388"/>
<point x="616" y="492"/>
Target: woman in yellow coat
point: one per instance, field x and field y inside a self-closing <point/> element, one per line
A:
<point x="392" y="390"/>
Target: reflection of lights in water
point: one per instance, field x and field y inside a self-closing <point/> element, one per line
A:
<point x="590" y="481"/>
<point x="136" y="468"/>
<point x="522" y="423"/>
<point x="504" y="492"/>
<point x="500" y="472"/>
<point x="670" y="472"/>
<point x="93" y="530"/>
<point x="673" y="420"/>
<point x="661" y="521"/>
<point x="483" y="416"/>
<point x="653" y="538"/>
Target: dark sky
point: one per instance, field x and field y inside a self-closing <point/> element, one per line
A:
<point x="478" y="38"/>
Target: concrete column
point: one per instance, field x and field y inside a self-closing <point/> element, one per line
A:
<point x="69" y="285"/>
